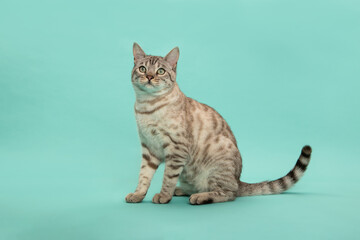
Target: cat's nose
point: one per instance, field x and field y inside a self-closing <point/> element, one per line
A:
<point x="149" y="77"/>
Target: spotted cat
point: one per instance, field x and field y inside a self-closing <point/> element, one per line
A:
<point x="192" y="139"/>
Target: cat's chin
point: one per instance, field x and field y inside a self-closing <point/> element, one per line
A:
<point x="149" y="85"/>
<point x="150" y="88"/>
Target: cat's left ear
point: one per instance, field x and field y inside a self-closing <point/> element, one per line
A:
<point x="172" y="57"/>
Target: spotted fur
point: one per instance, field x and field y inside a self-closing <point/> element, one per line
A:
<point x="193" y="140"/>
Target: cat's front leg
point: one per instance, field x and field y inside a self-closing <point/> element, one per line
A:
<point x="149" y="164"/>
<point x="174" y="165"/>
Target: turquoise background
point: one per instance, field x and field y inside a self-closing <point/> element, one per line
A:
<point x="282" y="73"/>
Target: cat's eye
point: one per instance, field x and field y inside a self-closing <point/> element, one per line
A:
<point x="142" y="69"/>
<point x="160" y="71"/>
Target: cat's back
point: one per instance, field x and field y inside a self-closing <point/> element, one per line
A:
<point x="206" y="124"/>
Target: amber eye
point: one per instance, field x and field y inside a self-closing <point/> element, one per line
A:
<point x="160" y="71"/>
<point x="142" y="69"/>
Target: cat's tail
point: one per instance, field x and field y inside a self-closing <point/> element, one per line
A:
<point x="280" y="185"/>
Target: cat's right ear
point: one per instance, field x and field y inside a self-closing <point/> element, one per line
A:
<point x="138" y="52"/>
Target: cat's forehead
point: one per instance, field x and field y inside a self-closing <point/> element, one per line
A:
<point x="153" y="59"/>
<point x="150" y="60"/>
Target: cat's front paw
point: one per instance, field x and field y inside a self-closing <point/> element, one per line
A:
<point x="134" y="197"/>
<point x="161" y="198"/>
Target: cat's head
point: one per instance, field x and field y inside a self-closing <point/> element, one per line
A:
<point x="154" y="74"/>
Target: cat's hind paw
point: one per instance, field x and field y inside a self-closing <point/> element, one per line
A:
<point x="161" y="198"/>
<point x="179" y="192"/>
<point x="200" y="198"/>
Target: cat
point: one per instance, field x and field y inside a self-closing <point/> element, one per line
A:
<point x="195" y="142"/>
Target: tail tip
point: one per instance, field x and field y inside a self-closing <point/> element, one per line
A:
<point x="306" y="151"/>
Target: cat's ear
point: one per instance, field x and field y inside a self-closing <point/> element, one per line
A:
<point x="138" y="52"/>
<point x="172" y="57"/>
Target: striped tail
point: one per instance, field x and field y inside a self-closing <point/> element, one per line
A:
<point x="280" y="185"/>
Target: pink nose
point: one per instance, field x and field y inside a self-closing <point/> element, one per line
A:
<point x="149" y="77"/>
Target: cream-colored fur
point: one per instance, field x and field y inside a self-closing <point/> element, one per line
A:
<point x="193" y="140"/>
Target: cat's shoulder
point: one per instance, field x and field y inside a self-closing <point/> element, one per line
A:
<point x="198" y="106"/>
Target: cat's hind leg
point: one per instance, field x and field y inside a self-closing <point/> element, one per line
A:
<point x="211" y="197"/>
<point x="222" y="187"/>
<point x="180" y="192"/>
<point x="185" y="189"/>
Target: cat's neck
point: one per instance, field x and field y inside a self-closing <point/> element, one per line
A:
<point x="144" y="97"/>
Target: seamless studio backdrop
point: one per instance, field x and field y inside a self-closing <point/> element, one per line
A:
<point x="282" y="73"/>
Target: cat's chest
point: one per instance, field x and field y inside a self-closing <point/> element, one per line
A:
<point x="150" y="131"/>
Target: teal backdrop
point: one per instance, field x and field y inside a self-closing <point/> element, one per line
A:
<point x="282" y="73"/>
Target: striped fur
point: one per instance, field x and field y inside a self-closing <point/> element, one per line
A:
<point x="194" y="142"/>
<point x="282" y="184"/>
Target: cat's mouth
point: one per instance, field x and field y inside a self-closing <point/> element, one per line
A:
<point x="149" y="84"/>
